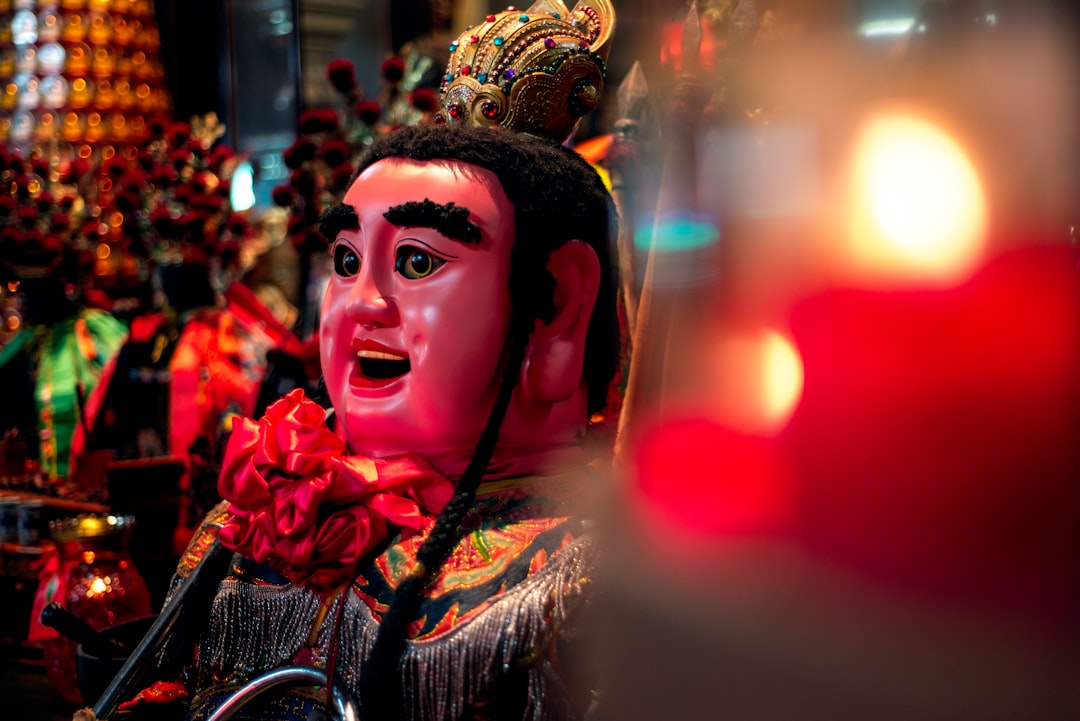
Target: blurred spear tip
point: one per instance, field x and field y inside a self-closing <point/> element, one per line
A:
<point x="746" y="20"/>
<point x="691" y="38"/>
<point x="633" y="93"/>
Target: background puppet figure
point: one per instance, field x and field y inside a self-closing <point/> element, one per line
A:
<point x="422" y="546"/>
<point x="198" y="352"/>
<point x="62" y="345"/>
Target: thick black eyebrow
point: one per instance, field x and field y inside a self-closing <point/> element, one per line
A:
<point x="337" y="218"/>
<point x="448" y="219"/>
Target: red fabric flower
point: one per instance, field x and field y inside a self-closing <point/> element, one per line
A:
<point x="283" y="196"/>
<point x="342" y="75"/>
<point x="312" y="513"/>
<point x="424" y="100"/>
<point x="369" y="111"/>
<point x="393" y="69"/>
<point x="334" y="152"/>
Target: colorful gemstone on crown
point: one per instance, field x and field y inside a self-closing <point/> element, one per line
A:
<point x="513" y="73"/>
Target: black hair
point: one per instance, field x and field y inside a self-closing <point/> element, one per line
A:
<point x="557" y="197"/>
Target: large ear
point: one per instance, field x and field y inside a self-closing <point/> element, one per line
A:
<point x="556" y="356"/>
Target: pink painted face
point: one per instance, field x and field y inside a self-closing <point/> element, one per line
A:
<point x="417" y="309"/>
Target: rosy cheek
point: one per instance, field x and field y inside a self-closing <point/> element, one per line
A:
<point x="326" y="348"/>
<point x="332" y="329"/>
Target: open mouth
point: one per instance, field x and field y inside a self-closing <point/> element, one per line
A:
<point x="382" y="366"/>
<point x="377" y="365"/>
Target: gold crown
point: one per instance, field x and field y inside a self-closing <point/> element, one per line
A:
<point x="535" y="71"/>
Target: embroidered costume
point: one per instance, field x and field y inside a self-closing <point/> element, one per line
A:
<point x="492" y="622"/>
<point x="490" y="633"/>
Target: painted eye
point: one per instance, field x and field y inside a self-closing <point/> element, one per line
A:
<point x="346" y="261"/>
<point x="414" y="263"/>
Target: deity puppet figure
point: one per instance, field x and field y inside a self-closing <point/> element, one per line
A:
<point x="472" y="300"/>
<point x="419" y="541"/>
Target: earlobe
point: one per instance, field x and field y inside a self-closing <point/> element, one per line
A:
<point x="556" y="356"/>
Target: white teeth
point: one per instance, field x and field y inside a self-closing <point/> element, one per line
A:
<point x="379" y="355"/>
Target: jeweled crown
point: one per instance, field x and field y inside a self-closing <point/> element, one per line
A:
<point x="535" y="71"/>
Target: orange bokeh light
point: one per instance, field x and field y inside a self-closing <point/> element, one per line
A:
<point x="916" y="205"/>
<point x="754" y="380"/>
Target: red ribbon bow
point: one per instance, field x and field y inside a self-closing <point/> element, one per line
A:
<point x="312" y="513"/>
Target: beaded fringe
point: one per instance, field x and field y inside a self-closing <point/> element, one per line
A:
<point x="255" y="627"/>
<point x="444" y="676"/>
